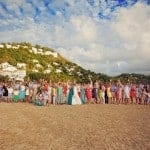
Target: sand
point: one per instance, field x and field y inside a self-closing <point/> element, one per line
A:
<point x="24" y="126"/>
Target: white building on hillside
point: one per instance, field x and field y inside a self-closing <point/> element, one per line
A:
<point x="1" y="46"/>
<point x="58" y="71"/>
<point x="10" y="68"/>
<point x="34" y="50"/>
<point x="15" y="47"/>
<point x="12" y="72"/>
<point x="38" y="65"/>
<point x="51" y="53"/>
<point x="40" y="51"/>
<point x="20" y="74"/>
<point x="25" y="46"/>
<point x="21" y="65"/>
<point x="55" y="63"/>
<point x="35" y="70"/>
<point x="8" y="46"/>
<point x="47" y="71"/>
<point x="35" y="61"/>
<point x="5" y="65"/>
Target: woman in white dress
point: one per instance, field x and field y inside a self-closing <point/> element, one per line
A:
<point x="73" y="97"/>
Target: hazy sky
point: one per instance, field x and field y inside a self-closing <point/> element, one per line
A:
<point x="108" y="36"/>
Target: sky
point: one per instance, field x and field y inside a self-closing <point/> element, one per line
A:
<point x="104" y="36"/>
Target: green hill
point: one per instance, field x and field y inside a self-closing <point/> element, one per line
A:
<point x="38" y="63"/>
<point x="44" y="62"/>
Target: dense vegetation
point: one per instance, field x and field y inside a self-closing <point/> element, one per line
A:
<point x="70" y="71"/>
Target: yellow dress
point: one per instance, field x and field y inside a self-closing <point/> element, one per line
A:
<point x="109" y="94"/>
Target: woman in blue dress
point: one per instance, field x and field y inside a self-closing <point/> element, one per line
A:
<point x="73" y="97"/>
<point x="70" y="95"/>
<point x="60" y="94"/>
<point x="22" y="92"/>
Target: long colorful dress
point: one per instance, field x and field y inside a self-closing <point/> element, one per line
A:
<point x="59" y="94"/>
<point x="101" y="94"/>
<point x="88" y="93"/>
<point x="1" y="91"/>
<point x="16" y="95"/>
<point x="70" y="95"/>
<point x="132" y="92"/>
<point x="73" y="97"/>
<point x="22" y="92"/>
<point x="82" y="95"/>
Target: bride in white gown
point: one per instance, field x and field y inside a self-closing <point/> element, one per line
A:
<point x="73" y="98"/>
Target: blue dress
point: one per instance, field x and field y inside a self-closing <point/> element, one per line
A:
<point x="70" y="95"/>
<point x="60" y="95"/>
<point x="82" y="95"/>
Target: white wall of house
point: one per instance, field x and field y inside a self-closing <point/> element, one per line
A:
<point x="40" y="50"/>
<point x="38" y="65"/>
<point x="21" y="65"/>
<point x="58" y="71"/>
<point x="35" y="61"/>
<point x="47" y="71"/>
<point x="1" y="46"/>
<point x="35" y="70"/>
<point x="5" y="65"/>
<point x="8" y="46"/>
<point x="12" y="72"/>
<point x="15" y="47"/>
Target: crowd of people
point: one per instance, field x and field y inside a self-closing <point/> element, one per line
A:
<point x="44" y="93"/>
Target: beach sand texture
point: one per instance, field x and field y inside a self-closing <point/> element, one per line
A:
<point x="24" y="126"/>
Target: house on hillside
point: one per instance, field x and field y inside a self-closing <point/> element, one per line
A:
<point x="79" y="73"/>
<point x="13" y="72"/>
<point x="10" y="69"/>
<point x="51" y="53"/>
<point x="35" y="70"/>
<point x="55" y="63"/>
<point x="5" y="65"/>
<point x="21" y="65"/>
<point x="6" y="73"/>
<point x="1" y="46"/>
<point x="55" y="54"/>
<point x="38" y="65"/>
<point x="47" y="71"/>
<point x="20" y="75"/>
<point x="40" y="51"/>
<point x="49" y="65"/>
<point x="25" y="46"/>
<point x="34" y="50"/>
<point x="70" y="70"/>
<point x="8" y="46"/>
<point x="58" y="71"/>
<point x="15" y="47"/>
<point x="35" y="61"/>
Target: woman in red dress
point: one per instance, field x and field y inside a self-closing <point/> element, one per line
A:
<point x="88" y="93"/>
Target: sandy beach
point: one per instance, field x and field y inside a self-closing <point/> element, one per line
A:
<point x="24" y="126"/>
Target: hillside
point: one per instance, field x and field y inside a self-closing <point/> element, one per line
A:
<point x="41" y="62"/>
<point x="44" y="62"/>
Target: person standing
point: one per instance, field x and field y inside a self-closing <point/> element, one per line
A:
<point x="73" y="97"/>
<point x="22" y="92"/>
<point x="126" y="93"/>
<point x="10" y="93"/>
<point x="82" y="94"/>
<point x="5" y="93"/>
<point x="60" y="94"/>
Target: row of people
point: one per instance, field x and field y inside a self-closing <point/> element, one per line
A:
<point x="44" y="93"/>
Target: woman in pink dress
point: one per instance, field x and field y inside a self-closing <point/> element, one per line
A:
<point x="119" y="94"/>
<point x="132" y="93"/>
